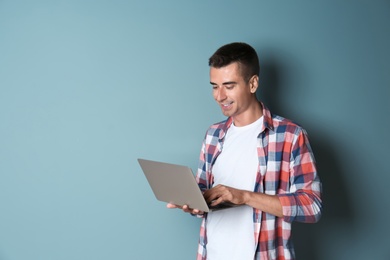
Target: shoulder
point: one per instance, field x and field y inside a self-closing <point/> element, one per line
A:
<point x="216" y="128"/>
<point x="280" y="125"/>
<point x="220" y="126"/>
<point x="286" y="126"/>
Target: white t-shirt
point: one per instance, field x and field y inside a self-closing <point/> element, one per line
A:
<point x="230" y="232"/>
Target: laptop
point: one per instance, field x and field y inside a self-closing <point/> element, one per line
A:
<point x="176" y="184"/>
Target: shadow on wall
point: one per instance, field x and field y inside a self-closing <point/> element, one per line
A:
<point x="337" y="203"/>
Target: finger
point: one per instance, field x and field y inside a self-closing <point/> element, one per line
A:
<point x="172" y="206"/>
<point x="211" y="195"/>
<point x="217" y="201"/>
<point x="187" y="209"/>
<point x="197" y="212"/>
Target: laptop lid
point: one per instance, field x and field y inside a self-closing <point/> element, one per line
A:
<point x="174" y="184"/>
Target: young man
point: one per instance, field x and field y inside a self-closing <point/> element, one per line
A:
<point x="254" y="159"/>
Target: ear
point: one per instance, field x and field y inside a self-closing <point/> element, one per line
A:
<point x="254" y="83"/>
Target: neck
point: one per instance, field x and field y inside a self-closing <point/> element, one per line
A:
<point x="250" y="116"/>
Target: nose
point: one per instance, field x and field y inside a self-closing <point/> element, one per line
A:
<point x="220" y="94"/>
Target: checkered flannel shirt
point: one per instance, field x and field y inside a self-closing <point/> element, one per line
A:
<point x="286" y="169"/>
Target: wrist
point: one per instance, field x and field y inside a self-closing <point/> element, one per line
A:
<point x="246" y="197"/>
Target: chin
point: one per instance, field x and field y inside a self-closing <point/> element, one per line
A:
<point x="227" y="113"/>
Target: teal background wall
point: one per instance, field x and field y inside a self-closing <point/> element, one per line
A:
<point x="86" y="87"/>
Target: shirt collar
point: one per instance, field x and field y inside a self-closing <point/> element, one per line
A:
<point x="267" y="121"/>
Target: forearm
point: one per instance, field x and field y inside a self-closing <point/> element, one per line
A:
<point x="301" y="206"/>
<point x="266" y="203"/>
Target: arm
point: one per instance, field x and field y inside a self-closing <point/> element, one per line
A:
<point x="261" y="201"/>
<point x="301" y="202"/>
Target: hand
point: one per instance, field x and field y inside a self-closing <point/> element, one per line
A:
<point x="222" y="193"/>
<point x="185" y="208"/>
<point x="267" y="203"/>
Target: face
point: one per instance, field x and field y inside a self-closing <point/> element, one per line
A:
<point x="234" y="94"/>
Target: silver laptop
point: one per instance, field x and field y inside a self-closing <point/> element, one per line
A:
<point x="176" y="184"/>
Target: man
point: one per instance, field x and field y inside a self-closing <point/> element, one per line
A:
<point x="254" y="159"/>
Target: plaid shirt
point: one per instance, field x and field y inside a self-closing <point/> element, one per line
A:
<point x="286" y="169"/>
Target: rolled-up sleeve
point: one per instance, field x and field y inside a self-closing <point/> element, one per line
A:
<point x="303" y="202"/>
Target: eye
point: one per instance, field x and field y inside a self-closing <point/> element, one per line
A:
<point x="229" y="87"/>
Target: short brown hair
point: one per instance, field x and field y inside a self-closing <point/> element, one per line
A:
<point x="242" y="53"/>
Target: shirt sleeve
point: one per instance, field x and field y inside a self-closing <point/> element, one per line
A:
<point x="303" y="203"/>
<point x="201" y="174"/>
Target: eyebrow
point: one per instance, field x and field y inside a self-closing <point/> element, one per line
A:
<point x="225" y="83"/>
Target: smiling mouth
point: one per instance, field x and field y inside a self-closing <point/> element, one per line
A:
<point x="227" y="104"/>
